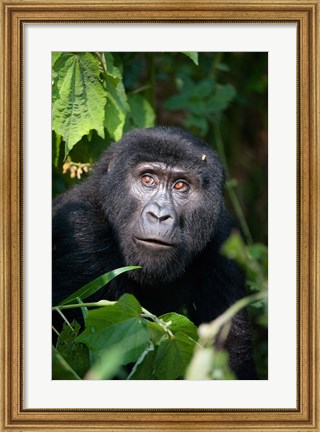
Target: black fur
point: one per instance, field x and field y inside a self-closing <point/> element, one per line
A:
<point x="92" y="234"/>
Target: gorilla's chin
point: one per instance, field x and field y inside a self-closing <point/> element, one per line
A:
<point x="162" y="264"/>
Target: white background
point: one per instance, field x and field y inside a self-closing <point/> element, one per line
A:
<point x="279" y="391"/>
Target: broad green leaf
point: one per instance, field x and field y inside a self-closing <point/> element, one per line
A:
<point x="117" y="106"/>
<point x="180" y="323"/>
<point x="235" y="248"/>
<point x="79" y="108"/>
<point x="141" y="113"/>
<point x="201" y="101"/>
<point x="55" y="55"/>
<point x="144" y="366"/>
<point x="177" y="102"/>
<point x="173" y="357"/>
<point x="259" y="252"/>
<point x="198" y="109"/>
<point x="204" y="89"/>
<point x="109" y="66"/>
<point x="125" y="308"/>
<point x="56" y="144"/>
<point x="221" y="99"/>
<point x="74" y="353"/>
<point x="193" y="56"/>
<point x="61" y="370"/>
<point x="117" y="324"/>
<point x="131" y="335"/>
<point x="98" y="283"/>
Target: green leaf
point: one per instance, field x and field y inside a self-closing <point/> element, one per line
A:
<point x="259" y="252"/>
<point x="54" y="57"/>
<point x="132" y="333"/>
<point x="235" y="248"/>
<point x="173" y="356"/>
<point x="117" y="106"/>
<point x="74" y="353"/>
<point x="117" y="324"/>
<point x="56" y="144"/>
<point x="79" y="107"/>
<point x="221" y="99"/>
<point x="247" y="257"/>
<point x="143" y="368"/>
<point x="141" y="113"/>
<point x="98" y="283"/>
<point x="177" y="102"/>
<point x="61" y="370"/>
<point x="204" y="89"/>
<point x="180" y="323"/>
<point x="126" y="307"/>
<point x="201" y="101"/>
<point x="193" y="56"/>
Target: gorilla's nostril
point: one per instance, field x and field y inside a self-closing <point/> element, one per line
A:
<point x="165" y="217"/>
<point x="153" y="215"/>
<point x="159" y="217"/>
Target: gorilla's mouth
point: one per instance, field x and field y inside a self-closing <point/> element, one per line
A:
<point x="154" y="243"/>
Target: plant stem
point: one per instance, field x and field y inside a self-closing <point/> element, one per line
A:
<point x="64" y="318"/>
<point x="75" y="305"/>
<point x="159" y="321"/>
<point x="213" y="328"/>
<point x="55" y="330"/>
<point x="230" y="186"/>
<point x="239" y="212"/>
<point x="102" y="61"/>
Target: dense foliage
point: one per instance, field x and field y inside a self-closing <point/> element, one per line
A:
<point x="222" y="98"/>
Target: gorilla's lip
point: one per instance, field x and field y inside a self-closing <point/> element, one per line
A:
<point x="153" y="242"/>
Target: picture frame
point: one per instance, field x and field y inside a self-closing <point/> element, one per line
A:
<point x="14" y="416"/>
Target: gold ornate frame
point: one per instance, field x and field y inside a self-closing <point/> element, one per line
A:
<point x="306" y="416"/>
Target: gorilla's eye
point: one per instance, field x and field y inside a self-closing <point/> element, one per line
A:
<point x="181" y="186"/>
<point x="147" y="180"/>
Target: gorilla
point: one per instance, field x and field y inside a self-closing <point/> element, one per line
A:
<point x="154" y="199"/>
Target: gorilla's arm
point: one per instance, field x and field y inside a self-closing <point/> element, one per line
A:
<point x="83" y="245"/>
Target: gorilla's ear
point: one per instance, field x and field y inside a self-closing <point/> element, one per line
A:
<point x="106" y="161"/>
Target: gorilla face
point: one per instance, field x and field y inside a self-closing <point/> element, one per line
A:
<point x="163" y="193"/>
<point x="163" y="211"/>
<point x="164" y="196"/>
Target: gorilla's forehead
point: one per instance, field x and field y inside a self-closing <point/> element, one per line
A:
<point x="170" y="146"/>
<point x="163" y="170"/>
<point x="170" y="161"/>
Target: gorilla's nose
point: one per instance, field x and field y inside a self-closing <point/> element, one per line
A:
<point x="156" y="213"/>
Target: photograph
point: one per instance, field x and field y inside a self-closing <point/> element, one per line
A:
<point x="160" y="200"/>
<point x="160" y="215"/>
